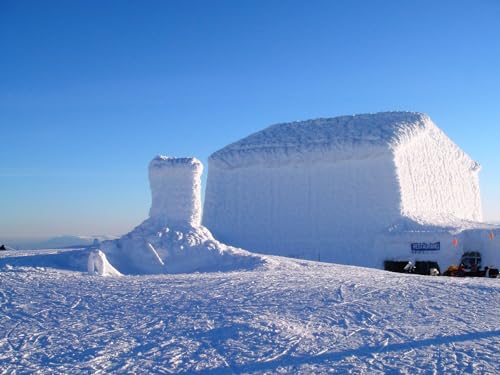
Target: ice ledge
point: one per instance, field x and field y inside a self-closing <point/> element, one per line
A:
<point x="440" y="223"/>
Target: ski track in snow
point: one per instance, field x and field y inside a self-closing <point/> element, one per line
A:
<point x="296" y="317"/>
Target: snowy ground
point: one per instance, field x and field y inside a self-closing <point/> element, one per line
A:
<point x="294" y="317"/>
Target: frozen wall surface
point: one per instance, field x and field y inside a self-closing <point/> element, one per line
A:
<point x="175" y="189"/>
<point x="323" y="189"/>
<point x="437" y="179"/>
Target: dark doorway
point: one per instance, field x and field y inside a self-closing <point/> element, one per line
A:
<point x="424" y="268"/>
<point x="421" y="267"/>
<point x="395" y="266"/>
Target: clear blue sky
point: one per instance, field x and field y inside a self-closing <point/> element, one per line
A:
<point x="90" y="91"/>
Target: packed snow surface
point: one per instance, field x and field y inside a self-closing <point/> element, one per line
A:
<point x="292" y="317"/>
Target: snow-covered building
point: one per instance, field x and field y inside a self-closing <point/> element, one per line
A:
<point x="352" y="189"/>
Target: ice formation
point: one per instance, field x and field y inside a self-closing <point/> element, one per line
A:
<point x="98" y="264"/>
<point x="175" y="190"/>
<point x="172" y="239"/>
<point x="328" y="189"/>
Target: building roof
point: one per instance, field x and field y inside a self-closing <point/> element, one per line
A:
<point x="334" y="139"/>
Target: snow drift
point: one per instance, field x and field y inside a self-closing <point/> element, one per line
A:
<point x="172" y="239"/>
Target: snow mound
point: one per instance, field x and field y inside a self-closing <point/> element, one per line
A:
<point x="172" y="239"/>
<point x="152" y="248"/>
<point x="62" y="259"/>
<point x="98" y="264"/>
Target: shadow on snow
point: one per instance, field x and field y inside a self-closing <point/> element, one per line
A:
<point x="289" y="360"/>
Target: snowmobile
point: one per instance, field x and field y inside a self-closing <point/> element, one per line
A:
<point x="470" y="265"/>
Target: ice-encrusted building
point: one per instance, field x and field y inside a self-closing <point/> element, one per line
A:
<point x="351" y="189"/>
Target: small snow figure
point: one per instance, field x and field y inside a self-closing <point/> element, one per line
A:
<point x="410" y="268"/>
<point x="98" y="264"/>
<point x="95" y="264"/>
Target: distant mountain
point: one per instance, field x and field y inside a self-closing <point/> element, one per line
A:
<point x="57" y="242"/>
<point x="68" y="241"/>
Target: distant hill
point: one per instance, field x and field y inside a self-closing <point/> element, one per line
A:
<point x="56" y="242"/>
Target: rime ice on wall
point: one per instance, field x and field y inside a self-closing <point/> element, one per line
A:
<point x="175" y="190"/>
<point x="437" y="179"/>
<point x="323" y="189"/>
<point x="172" y="240"/>
<point x="309" y="211"/>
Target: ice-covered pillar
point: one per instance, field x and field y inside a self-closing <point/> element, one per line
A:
<point x="175" y="190"/>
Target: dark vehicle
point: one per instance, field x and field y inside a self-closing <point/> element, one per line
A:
<point x="470" y="265"/>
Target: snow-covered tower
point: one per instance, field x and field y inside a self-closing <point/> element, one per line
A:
<point x="172" y="239"/>
<point x="175" y="190"/>
<point x="324" y="189"/>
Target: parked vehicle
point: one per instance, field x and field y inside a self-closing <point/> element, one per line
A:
<point x="470" y="265"/>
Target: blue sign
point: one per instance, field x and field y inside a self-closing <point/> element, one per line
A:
<point x="423" y="247"/>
